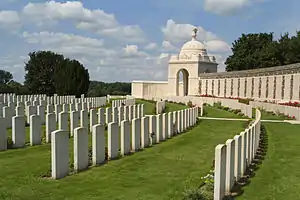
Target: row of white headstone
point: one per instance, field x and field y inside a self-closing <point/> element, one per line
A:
<point x="131" y="138"/>
<point x="233" y="158"/>
<point x="82" y="118"/>
<point x="41" y="99"/>
<point x="39" y="109"/>
<point x="123" y="102"/>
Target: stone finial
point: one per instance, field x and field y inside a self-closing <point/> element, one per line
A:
<point x="194" y="34"/>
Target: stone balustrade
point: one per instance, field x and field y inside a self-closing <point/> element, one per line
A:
<point x="233" y="158"/>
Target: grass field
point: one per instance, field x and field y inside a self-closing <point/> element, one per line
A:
<point x="278" y="177"/>
<point x="159" y="172"/>
<point x="149" y="107"/>
<point x="211" y="111"/>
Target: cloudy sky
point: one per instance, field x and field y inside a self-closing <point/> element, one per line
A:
<point x="125" y="40"/>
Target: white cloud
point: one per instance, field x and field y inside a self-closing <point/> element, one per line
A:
<point x="217" y="46"/>
<point x="96" y="21"/>
<point x="9" y="19"/>
<point x="167" y="46"/>
<point x="151" y="46"/>
<point x="226" y="7"/>
<point x="176" y="33"/>
<point x="105" y="63"/>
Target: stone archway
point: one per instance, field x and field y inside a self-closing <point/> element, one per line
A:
<point x="182" y="76"/>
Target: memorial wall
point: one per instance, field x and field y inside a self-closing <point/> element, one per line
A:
<point x="274" y="83"/>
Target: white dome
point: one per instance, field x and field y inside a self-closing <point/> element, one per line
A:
<point x="193" y="47"/>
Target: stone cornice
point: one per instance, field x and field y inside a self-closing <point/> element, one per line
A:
<point x="279" y="70"/>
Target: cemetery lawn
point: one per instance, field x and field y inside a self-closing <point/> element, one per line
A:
<point x="272" y="116"/>
<point x="150" y="108"/>
<point x="278" y="177"/>
<point x="160" y="172"/>
<point x="212" y="111"/>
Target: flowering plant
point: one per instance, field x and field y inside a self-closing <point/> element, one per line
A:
<point x="209" y="178"/>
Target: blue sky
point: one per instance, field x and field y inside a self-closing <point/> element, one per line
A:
<point x="132" y="39"/>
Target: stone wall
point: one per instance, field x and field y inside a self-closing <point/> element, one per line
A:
<point x="274" y="83"/>
<point x="140" y="89"/>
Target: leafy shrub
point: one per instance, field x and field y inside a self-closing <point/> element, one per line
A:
<point x="226" y="108"/>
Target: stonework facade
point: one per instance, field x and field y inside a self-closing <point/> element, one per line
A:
<point x="200" y="77"/>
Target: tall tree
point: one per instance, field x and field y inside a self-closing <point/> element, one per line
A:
<point x="247" y="51"/>
<point x="72" y="78"/>
<point x="40" y="71"/>
<point x="5" y="77"/>
<point x="259" y="50"/>
<point x="49" y="73"/>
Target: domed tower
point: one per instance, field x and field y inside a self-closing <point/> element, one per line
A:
<point x="191" y="61"/>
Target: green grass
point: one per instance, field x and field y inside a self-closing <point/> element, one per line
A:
<point x="160" y="172"/>
<point x="149" y="107"/>
<point x="170" y="107"/>
<point x="278" y="177"/>
<point x="211" y="111"/>
<point x="272" y="116"/>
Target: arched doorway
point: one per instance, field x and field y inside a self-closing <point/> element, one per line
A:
<point x="182" y="82"/>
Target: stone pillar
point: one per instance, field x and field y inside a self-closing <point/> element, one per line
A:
<point x="230" y="161"/>
<point x="63" y="123"/>
<point x="93" y="118"/>
<point x="84" y="118"/>
<point x="98" y="144"/>
<point x="115" y="115"/>
<point x="164" y="126"/>
<point x="243" y="153"/>
<point x="59" y="154"/>
<point x="158" y="128"/>
<point x="35" y="130"/>
<point x="125" y="137"/>
<point x="8" y="114"/>
<point x="175" y="123"/>
<point x="20" y="111"/>
<point x="144" y="132"/>
<point x="178" y="121"/>
<point x="136" y="134"/>
<point x="18" y="131"/>
<point x="50" y="126"/>
<point x="49" y="108"/>
<point x="57" y="109"/>
<point x="81" y="149"/>
<point x="108" y="115"/>
<point x="113" y="140"/>
<point x="152" y="127"/>
<point x="220" y="172"/>
<point x="237" y="156"/>
<point x="170" y="125"/>
<point x="101" y="116"/>
<point x="3" y="136"/>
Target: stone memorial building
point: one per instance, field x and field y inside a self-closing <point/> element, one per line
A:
<point x="200" y="77"/>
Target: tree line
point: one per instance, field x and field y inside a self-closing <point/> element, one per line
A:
<point x="260" y="50"/>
